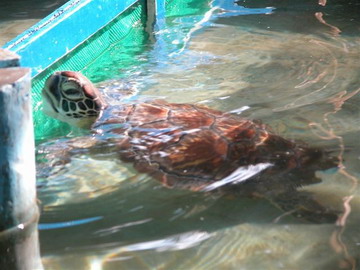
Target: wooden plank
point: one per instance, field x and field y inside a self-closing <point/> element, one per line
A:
<point x="19" y="247"/>
<point x="8" y="59"/>
<point x="17" y="155"/>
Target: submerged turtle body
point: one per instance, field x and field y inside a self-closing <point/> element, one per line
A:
<point x="192" y="146"/>
<point x="189" y="146"/>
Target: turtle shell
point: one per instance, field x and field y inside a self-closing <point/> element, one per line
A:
<point x="193" y="146"/>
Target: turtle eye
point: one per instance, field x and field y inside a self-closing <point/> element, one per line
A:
<point x="72" y="90"/>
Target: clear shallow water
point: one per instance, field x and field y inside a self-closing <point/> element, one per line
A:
<point x="17" y="16"/>
<point x="294" y="70"/>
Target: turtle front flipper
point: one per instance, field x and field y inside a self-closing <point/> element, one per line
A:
<point x="303" y="205"/>
<point x="53" y="155"/>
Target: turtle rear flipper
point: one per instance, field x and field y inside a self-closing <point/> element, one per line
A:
<point x="304" y="206"/>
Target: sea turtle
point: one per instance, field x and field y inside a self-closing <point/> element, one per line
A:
<point x="194" y="147"/>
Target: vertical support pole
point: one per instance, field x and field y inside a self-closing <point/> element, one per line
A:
<point x="155" y="15"/>
<point x="155" y="23"/>
<point x="19" y="248"/>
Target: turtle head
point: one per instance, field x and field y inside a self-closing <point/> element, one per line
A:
<point x="72" y="98"/>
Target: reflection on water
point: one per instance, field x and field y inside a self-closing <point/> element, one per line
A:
<point x="17" y="16"/>
<point x="297" y="69"/>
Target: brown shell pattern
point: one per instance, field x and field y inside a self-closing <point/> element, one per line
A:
<point x="191" y="146"/>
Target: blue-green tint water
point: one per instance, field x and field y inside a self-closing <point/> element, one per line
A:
<point x="297" y="68"/>
<point x="17" y="16"/>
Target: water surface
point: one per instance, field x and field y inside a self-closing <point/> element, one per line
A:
<point x="297" y="69"/>
<point x="17" y="16"/>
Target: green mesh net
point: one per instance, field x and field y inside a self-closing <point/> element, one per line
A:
<point x="85" y="59"/>
<point x="104" y="55"/>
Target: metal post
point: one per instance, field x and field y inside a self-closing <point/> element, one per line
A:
<point x="155" y="15"/>
<point x="19" y="213"/>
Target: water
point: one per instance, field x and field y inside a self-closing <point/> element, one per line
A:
<point x="297" y="69"/>
<point x="17" y="16"/>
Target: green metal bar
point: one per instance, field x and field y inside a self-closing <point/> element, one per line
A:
<point x="63" y="30"/>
